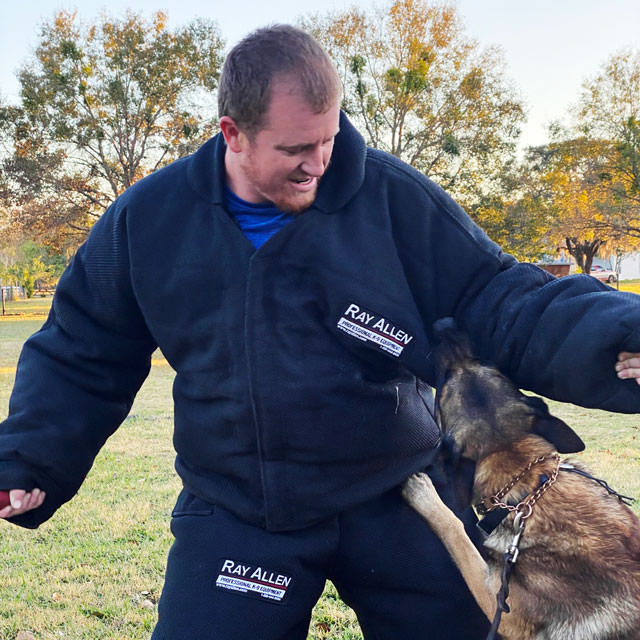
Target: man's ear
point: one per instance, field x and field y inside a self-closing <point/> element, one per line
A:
<point x="234" y="138"/>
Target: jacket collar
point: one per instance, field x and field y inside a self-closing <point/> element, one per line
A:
<point x="345" y="174"/>
<point x="340" y="183"/>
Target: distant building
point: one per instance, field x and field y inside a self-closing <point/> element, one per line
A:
<point x="557" y="265"/>
<point x="630" y="266"/>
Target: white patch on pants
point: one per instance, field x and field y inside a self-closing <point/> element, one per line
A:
<point x="253" y="580"/>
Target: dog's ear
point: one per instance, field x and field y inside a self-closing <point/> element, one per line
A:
<point x="453" y="475"/>
<point x="552" y="429"/>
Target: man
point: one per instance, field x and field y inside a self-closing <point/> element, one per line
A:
<point x="304" y="274"/>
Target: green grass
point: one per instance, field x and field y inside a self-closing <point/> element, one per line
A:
<point x="36" y="306"/>
<point x="95" y="570"/>
<point x="629" y="285"/>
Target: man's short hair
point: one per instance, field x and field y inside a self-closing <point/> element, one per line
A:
<point x="264" y="55"/>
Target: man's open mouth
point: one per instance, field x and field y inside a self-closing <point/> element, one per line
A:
<point x="304" y="185"/>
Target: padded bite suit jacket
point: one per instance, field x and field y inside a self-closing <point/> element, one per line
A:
<point x="302" y="368"/>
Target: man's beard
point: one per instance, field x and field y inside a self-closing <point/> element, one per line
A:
<point x="281" y="195"/>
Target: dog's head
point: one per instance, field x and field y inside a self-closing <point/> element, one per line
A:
<point x="481" y="410"/>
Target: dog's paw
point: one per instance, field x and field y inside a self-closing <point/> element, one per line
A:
<point x="418" y="490"/>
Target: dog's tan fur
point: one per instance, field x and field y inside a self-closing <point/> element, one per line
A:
<point x="577" y="576"/>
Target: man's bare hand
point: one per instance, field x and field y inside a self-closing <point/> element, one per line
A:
<point x="22" y="501"/>
<point x="628" y="366"/>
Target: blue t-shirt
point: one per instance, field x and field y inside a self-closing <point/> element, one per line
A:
<point x="258" y="221"/>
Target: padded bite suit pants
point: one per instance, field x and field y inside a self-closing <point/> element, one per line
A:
<point x="227" y="580"/>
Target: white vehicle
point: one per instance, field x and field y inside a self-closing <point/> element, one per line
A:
<point x="603" y="274"/>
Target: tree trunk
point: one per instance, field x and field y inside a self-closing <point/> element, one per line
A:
<point x="583" y="251"/>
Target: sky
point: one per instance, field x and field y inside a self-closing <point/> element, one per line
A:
<point x="550" y="47"/>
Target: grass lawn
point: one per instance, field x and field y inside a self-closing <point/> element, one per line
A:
<point x="629" y="285"/>
<point x="95" y="570"/>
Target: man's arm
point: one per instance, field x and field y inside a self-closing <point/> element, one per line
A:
<point x="545" y="334"/>
<point x="76" y="378"/>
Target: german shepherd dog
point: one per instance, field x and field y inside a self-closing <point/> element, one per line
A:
<point x="568" y="546"/>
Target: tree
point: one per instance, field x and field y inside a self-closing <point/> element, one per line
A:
<point x="609" y="109"/>
<point x="101" y="106"/>
<point x="30" y="266"/>
<point x="514" y="214"/>
<point x="574" y="194"/>
<point x="420" y="89"/>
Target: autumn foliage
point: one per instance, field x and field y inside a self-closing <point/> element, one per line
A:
<point x="101" y="106"/>
<point x="105" y="103"/>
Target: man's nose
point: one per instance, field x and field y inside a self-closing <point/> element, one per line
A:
<point x="314" y="163"/>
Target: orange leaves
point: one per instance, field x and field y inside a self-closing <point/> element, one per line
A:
<point x="419" y="88"/>
<point x="64" y="22"/>
<point x="160" y="22"/>
<point x="573" y="178"/>
<point x="104" y="104"/>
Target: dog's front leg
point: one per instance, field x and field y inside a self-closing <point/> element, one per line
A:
<point x="420" y="493"/>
